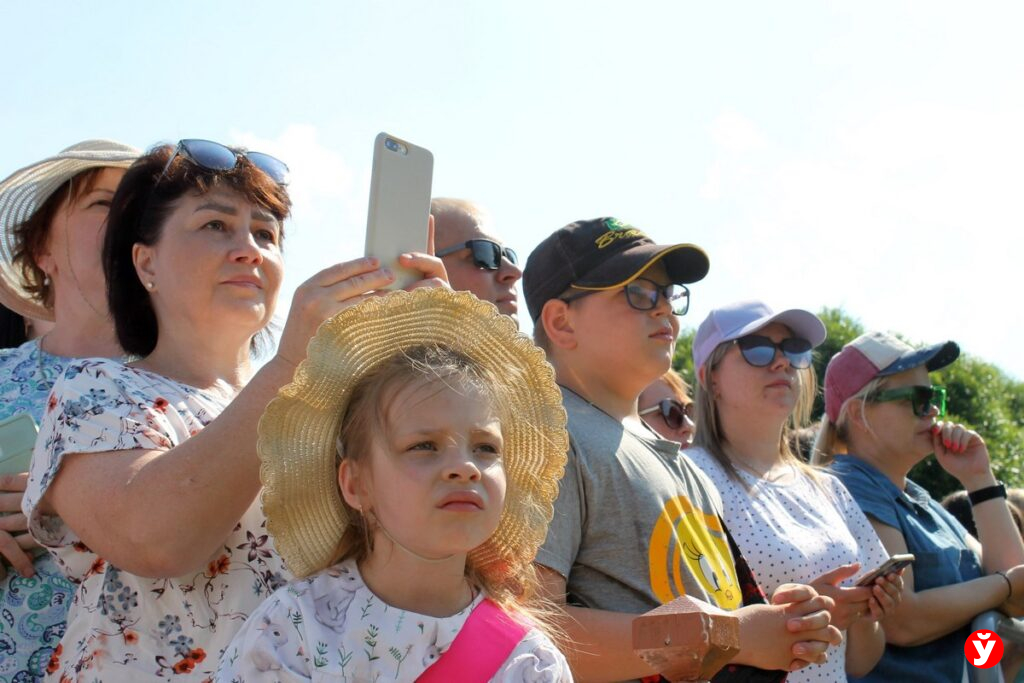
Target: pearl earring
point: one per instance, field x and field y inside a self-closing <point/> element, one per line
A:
<point x="46" y="281"/>
<point x="149" y="286"/>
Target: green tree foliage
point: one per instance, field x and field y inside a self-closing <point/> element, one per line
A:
<point x="980" y="395"/>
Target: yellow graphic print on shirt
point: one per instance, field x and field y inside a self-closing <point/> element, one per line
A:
<point x="686" y="539"/>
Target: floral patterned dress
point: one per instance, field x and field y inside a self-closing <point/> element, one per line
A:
<point x="32" y="610"/>
<point x="123" y="627"/>
<point x="331" y="627"/>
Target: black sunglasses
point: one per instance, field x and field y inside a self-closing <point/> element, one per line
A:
<point x="642" y="294"/>
<point x="672" y="411"/>
<point x="487" y="254"/>
<point x="214" y="156"/>
<point x="759" y="351"/>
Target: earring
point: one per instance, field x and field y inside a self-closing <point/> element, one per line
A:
<point x="149" y="286"/>
<point x="46" y="280"/>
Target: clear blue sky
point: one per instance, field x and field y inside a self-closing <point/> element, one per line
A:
<point x="865" y="155"/>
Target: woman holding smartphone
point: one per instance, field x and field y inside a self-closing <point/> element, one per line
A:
<point x="793" y="524"/>
<point x="52" y="220"/>
<point x="880" y="420"/>
<point x="145" y="478"/>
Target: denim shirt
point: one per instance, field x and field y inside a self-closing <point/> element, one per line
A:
<point x="938" y="542"/>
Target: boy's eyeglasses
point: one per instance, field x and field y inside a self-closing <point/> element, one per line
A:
<point x="642" y="294"/>
<point x="673" y="411"/>
<point x="214" y="156"/>
<point x="922" y="398"/>
<point x="487" y="254"/>
<point x="759" y="351"/>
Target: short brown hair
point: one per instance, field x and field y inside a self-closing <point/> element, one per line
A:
<point x="32" y="235"/>
<point x="145" y="198"/>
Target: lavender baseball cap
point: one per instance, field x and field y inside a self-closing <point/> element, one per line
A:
<point x="877" y="354"/>
<point x="744" y="317"/>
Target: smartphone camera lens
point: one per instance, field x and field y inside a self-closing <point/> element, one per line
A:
<point x="395" y="146"/>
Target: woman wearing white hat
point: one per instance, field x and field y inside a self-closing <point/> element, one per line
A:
<point x="755" y="386"/>
<point x="52" y="220"/>
<point x="882" y="417"/>
<point x="145" y="478"/>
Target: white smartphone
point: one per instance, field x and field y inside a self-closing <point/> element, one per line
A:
<point x="399" y="204"/>
<point x="893" y="564"/>
<point x="17" y="438"/>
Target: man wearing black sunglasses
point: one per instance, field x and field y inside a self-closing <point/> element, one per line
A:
<point x="475" y="259"/>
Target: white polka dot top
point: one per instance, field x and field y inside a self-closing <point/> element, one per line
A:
<point x="791" y="530"/>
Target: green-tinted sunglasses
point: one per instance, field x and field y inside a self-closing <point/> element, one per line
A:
<point x="922" y="398"/>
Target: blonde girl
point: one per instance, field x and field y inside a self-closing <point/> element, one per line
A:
<point x="410" y="471"/>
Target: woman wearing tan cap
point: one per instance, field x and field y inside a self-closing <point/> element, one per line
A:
<point x="145" y="478"/>
<point x="52" y="220"/>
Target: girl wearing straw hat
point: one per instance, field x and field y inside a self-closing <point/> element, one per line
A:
<point x="52" y="220"/>
<point x="409" y="475"/>
<point x="145" y="475"/>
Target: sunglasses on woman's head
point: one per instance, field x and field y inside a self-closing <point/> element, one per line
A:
<point x="642" y="294"/>
<point x="922" y="398"/>
<point x="759" y="351"/>
<point x="673" y="411"/>
<point x="487" y="254"/>
<point x="214" y="156"/>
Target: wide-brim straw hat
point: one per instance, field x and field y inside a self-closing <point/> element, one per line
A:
<point x="25" y="190"/>
<point x="300" y="427"/>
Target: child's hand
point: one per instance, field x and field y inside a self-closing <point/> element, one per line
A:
<point x="789" y="634"/>
<point x="851" y="602"/>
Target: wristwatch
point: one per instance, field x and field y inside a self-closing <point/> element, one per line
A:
<point x="987" y="493"/>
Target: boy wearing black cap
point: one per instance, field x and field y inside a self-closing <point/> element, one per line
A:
<point x="635" y="524"/>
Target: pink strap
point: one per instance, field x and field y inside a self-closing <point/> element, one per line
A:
<point x="479" y="649"/>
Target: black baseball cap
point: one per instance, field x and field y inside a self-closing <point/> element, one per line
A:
<point x="602" y="253"/>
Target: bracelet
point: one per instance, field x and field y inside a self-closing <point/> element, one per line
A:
<point x="1009" y="584"/>
<point x="987" y="493"/>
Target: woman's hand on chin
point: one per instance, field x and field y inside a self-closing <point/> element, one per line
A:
<point x="963" y="454"/>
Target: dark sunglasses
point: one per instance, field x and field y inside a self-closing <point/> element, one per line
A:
<point x="672" y="411"/>
<point x="922" y="398"/>
<point x="214" y="156"/>
<point x="642" y="294"/>
<point x="487" y="254"/>
<point x="759" y="351"/>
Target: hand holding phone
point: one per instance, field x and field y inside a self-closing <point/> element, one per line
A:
<point x="890" y="566"/>
<point x="400" y="186"/>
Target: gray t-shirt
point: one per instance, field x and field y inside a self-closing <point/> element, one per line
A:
<point x="636" y="525"/>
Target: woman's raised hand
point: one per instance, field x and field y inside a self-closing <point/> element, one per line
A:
<point x="963" y="453"/>
<point x="340" y="286"/>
